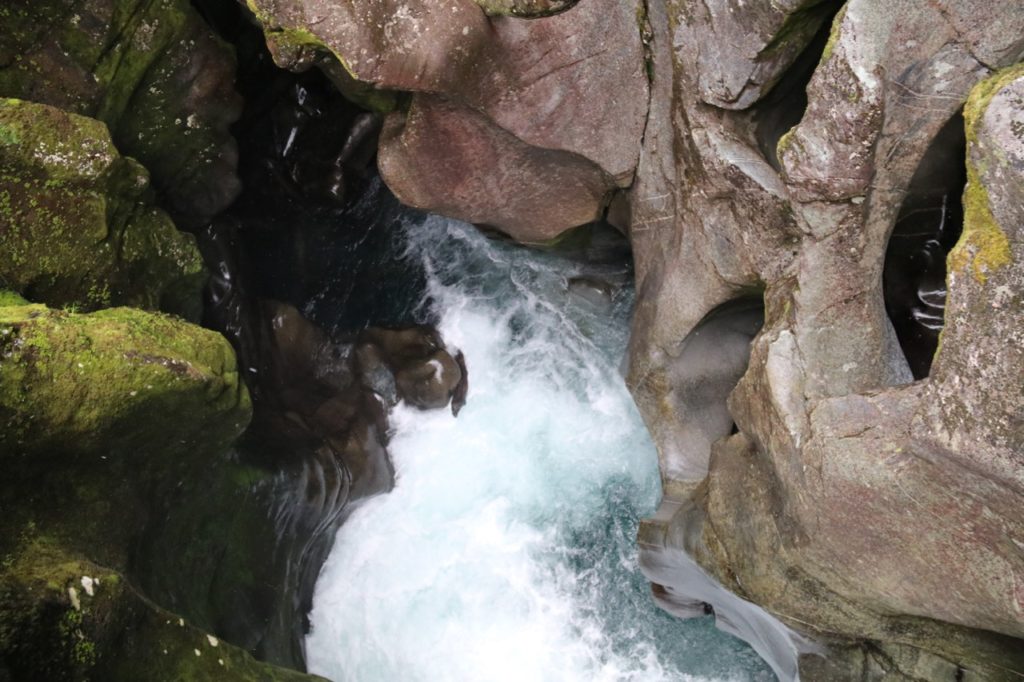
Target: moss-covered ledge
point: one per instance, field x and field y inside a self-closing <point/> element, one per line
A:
<point x="121" y="383"/>
<point x="103" y="417"/>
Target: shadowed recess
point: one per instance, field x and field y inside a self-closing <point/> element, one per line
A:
<point x="927" y="227"/>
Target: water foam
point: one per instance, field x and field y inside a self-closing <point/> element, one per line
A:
<point x="507" y="550"/>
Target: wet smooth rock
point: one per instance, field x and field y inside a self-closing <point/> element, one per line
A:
<point x="513" y="89"/>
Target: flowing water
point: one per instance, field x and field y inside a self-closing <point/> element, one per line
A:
<point x="507" y="549"/>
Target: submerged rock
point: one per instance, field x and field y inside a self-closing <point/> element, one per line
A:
<point x="78" y="226"/>
<point x="425" y="373"/>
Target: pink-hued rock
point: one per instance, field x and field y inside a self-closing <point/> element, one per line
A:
<point x="573" y="82"/>
<point x="450" y="159"/>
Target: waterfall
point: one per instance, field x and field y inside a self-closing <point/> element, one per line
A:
<point x="507" y="550"/>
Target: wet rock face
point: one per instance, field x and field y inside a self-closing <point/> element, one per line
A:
<point x="505" y="107"/>
<point x="868" y="510"/>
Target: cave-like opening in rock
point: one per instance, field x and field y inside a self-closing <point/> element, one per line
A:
<point x="784" y="106"/>
<point x="927" y="227"/>
<point x="712" y="359"/>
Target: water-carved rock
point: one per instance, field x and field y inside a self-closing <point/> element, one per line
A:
<point x="847" y="505"/>
<point x="507" y="107"/>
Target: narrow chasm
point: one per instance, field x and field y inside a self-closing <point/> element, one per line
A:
<point x="312" y="285"/>
<point x="784" y="105"/>
<point x="928" y="225"/>
<point x="506" y="550"/>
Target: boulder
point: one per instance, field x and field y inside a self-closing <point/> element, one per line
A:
<point x="152" y="71"/>
<point x="77" y="223"/>
<point x="119" y="383"/>
<point x="450" y="159"/>
<point x="425" y="374"/>
<point x="528" y="93"/>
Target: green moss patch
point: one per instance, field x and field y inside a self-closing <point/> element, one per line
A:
<point x="77" y="226"/>
<point x="983" y="247"/>
<point x="118" y="381"/>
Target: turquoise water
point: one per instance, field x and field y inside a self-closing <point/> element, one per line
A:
<point x="507" y="549"/>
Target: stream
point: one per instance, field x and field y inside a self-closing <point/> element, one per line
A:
<point x="507" y="550"/>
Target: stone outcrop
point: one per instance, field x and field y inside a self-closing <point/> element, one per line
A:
<point x="101" y="415"/>
<point x="505" y="107"/>
<point x="874" y="513"/>
<point x="451" y="159"/>
<point x="78" y="225"/>
<point x="153" y="72"/>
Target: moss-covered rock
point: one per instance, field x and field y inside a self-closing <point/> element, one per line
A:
<point x="63" y="617"/>
<point x="77" y="225"/>
<point x="103" y="418"/>
<point x="120" y="382"/>
<point x="524" y="8"/>
<point x="152" y="71"/>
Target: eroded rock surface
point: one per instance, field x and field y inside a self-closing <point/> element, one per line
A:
<point x="872" y="512"/>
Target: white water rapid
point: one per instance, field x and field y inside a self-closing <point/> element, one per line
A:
<point x="507" y="549"/>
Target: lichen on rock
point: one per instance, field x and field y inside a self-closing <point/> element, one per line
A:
<point x="77" y="222"/>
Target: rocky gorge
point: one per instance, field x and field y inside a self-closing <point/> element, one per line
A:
<point x="204" y="325"/>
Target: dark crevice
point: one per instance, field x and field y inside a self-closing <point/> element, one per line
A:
<point x="927" y="227"/>
<point x="310" y="282"/>
<point x="784" y="105"/>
